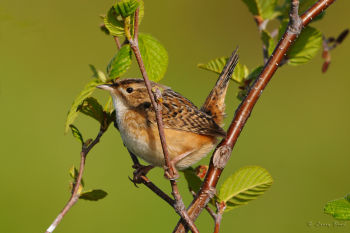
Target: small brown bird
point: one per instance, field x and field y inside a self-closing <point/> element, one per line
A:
<point x="190" y="132"/>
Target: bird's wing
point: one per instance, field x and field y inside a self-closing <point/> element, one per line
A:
<point x="181" y="114"/>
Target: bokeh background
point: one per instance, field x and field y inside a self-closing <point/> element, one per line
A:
<point x="299" y="130"/>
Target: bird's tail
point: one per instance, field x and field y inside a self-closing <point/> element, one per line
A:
<point x="215" y="103"/>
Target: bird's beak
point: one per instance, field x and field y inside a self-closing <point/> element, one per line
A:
<point x="106" y="87"/>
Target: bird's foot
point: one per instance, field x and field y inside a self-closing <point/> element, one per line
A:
<point x="140" y="171"/>
<point x="171" y="172"/>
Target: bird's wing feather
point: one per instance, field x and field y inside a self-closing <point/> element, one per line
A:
<point x="181" y="114"/>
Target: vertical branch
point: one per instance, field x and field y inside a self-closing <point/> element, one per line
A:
<point x="223" y="150"/>
<point x="76" y="191"/>
<point x="169" y="169"/>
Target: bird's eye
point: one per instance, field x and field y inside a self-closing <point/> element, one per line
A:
<point x="129" y="89"/>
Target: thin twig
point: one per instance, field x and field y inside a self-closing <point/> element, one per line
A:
<point x="117" y="42"/>
<point x="76" y="194"/>
<point x="149" y="184"/>
<point x="220" y="208"/>
<point x="223" y="150"/>
<point x="169" y="169"/>
<point x="262" y="26"/>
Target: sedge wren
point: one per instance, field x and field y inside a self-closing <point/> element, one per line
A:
<point x="190" y="132"/>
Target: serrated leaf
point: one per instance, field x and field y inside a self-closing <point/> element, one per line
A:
<point x="93" y="195"/>
<point x="76" y="133"/>
<point x="246" y="184"/>
<point x="115" y="24"/>
<point x="339" y="209"/>
<point x="263" y="8"/>
<point x="120" y="63"/>
<point x="154" y="56"/>
<point x="240" y="73"/>
<point x="218" y="64"/>
<point x="193" y="181"/>
<point x="126" y="8"/>
<point x="92" y="108"/>
<point x="306" y="45"/>
<point x="268" y="42"/>
<point x="86" y="92"/>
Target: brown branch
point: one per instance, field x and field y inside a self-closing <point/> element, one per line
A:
<point x="169" y="169"/>
<point x="220" y="210"/>
<point x="207" y="208"/>
<point x="117" y="42"/>
<point x="223" y="150"/>
<point x="149" y="184"/>
<point x="76" y="192"/>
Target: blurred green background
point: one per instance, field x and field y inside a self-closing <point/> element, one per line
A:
<point x="299" y="130"/>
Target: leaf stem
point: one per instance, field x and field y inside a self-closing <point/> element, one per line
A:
<point x="223" y="150"/>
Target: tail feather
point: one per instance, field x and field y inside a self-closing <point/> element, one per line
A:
<point x="215" y="103"/>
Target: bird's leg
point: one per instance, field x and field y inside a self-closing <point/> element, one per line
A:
<point x="173" y="163"/>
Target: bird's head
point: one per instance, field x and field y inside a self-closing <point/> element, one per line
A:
<point x="131" y="92"/>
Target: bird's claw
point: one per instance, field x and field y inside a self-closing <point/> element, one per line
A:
<point x="140" y="171"/>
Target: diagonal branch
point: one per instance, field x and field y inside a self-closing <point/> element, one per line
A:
<point x="223" y="150"/>
<point x="76" y="191"/>
<point x="149" y="184"/>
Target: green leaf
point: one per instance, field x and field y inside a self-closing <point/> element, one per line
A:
<point x="339" y="209"/>
<point x="92" y="108"/>
<point x="120" y="63"/>
<point x="240" y="73"/>
<point x="73" y="172"/>
<point x="114" y="22"/>
<point x="154" y="56"/>
<point x="193" y="181"/>
<point x="76" y="133"/>
<point x="255" y="73"/>
<point x="246" y="184"/>
<point x="98" y="73"/>
<point x="126" y="8"/>
<point x="93" y="195"/>
<point x="306" y="45"/>
<point x="268" y="42"/>
<point x="109" y="106"/>
<point x="218" y="64"/>
<point x="248" y="81"/>
<point x="86" y="92"/>
<point x="263" y="8"/>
